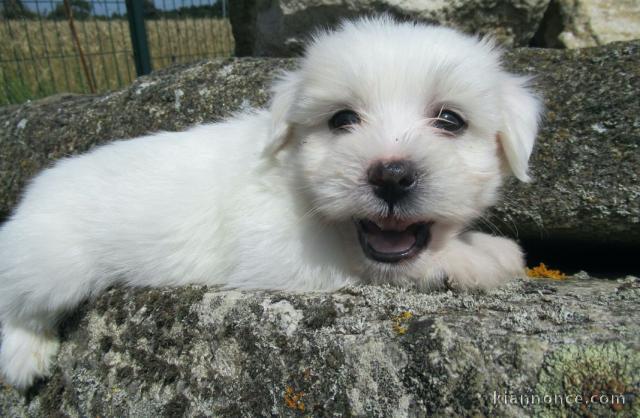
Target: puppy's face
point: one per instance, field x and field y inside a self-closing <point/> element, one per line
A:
<point x="400" y="134"/>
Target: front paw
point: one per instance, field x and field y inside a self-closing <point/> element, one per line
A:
<point x="478" y="260"/>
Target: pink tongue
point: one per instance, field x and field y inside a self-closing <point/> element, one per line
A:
<point x="391" y="241"/>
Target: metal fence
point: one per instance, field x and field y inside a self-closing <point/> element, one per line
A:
<point x="82" y="46"/>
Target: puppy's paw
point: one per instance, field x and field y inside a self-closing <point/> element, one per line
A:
<point x="478" y="260"/>
<point x="25" y="355"/>
<point x="505" y="252"/>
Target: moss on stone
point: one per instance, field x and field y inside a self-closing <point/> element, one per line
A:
<point x="607" y="370"/>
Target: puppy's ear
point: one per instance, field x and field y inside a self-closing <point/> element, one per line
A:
<point x="284" y="91"/>
<point x="520" y="117"/>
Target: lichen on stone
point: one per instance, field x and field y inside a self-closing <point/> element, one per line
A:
<point x="293" y="399"/>
<point x="400" y="322"/>
<point x="604" y="376"/>
<point x="543" y="272"/>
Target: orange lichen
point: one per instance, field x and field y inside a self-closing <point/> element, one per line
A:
<point x="293" y="399"/>
<point x="542" y="272"/>
<point x="399" y="322"/>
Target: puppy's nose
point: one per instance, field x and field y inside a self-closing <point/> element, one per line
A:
<point x="392" y="180"/>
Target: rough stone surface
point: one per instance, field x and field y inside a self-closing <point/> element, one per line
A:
<point x="587" y="182"/>
<point x="583" y="23"/>
<point x="585" y="166"/>
<point x="279" y="28"/>
<point x="363" y="351"/>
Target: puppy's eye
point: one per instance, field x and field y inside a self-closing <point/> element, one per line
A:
<point x="449" y="121"/>
<point x="344" y="119"/>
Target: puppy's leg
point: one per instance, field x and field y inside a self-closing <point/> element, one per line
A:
<point x="39" y="280"/>
<point x="30" y="310"/>
<point x="26" y="353"/>
<point x="477" y="260"/>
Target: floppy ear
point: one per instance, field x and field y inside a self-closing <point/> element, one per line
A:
<point x="284" y="91"/>
<point x="520" y="117"/>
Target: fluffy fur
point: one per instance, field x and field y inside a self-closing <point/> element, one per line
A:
<point x="268" y="199"/>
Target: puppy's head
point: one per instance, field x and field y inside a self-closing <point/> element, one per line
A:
<point x="401" y="133"/>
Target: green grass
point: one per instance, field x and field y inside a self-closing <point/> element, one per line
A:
<point x="39" y="58"/>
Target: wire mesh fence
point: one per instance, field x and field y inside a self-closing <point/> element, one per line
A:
<point x="83" y="46"/>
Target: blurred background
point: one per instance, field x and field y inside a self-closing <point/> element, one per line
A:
<point x="94" y="46"/>
<point x="82" y="46"/>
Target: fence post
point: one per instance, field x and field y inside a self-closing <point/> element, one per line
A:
<point x="135" y="13"/>
<point x="224" y="8"/>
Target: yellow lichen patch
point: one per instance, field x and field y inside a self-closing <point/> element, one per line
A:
<point x="542" y="272"/>
<point x="399" y="322"/>
<point x="293" y="399"/>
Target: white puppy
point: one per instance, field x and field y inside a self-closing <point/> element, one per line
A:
<point x="376" y="153"/>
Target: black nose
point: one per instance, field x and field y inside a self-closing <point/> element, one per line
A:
<point x="392" y="180"/>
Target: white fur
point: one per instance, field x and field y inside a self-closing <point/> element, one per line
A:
<point x="266" y="200"/>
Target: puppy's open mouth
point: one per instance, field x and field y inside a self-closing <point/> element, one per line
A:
<point x="390" y="240"/>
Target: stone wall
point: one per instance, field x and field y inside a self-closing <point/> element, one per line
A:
<point x="364" y="351"/>
<point x="584" y="23"/>
<point x="280" y="27"/>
